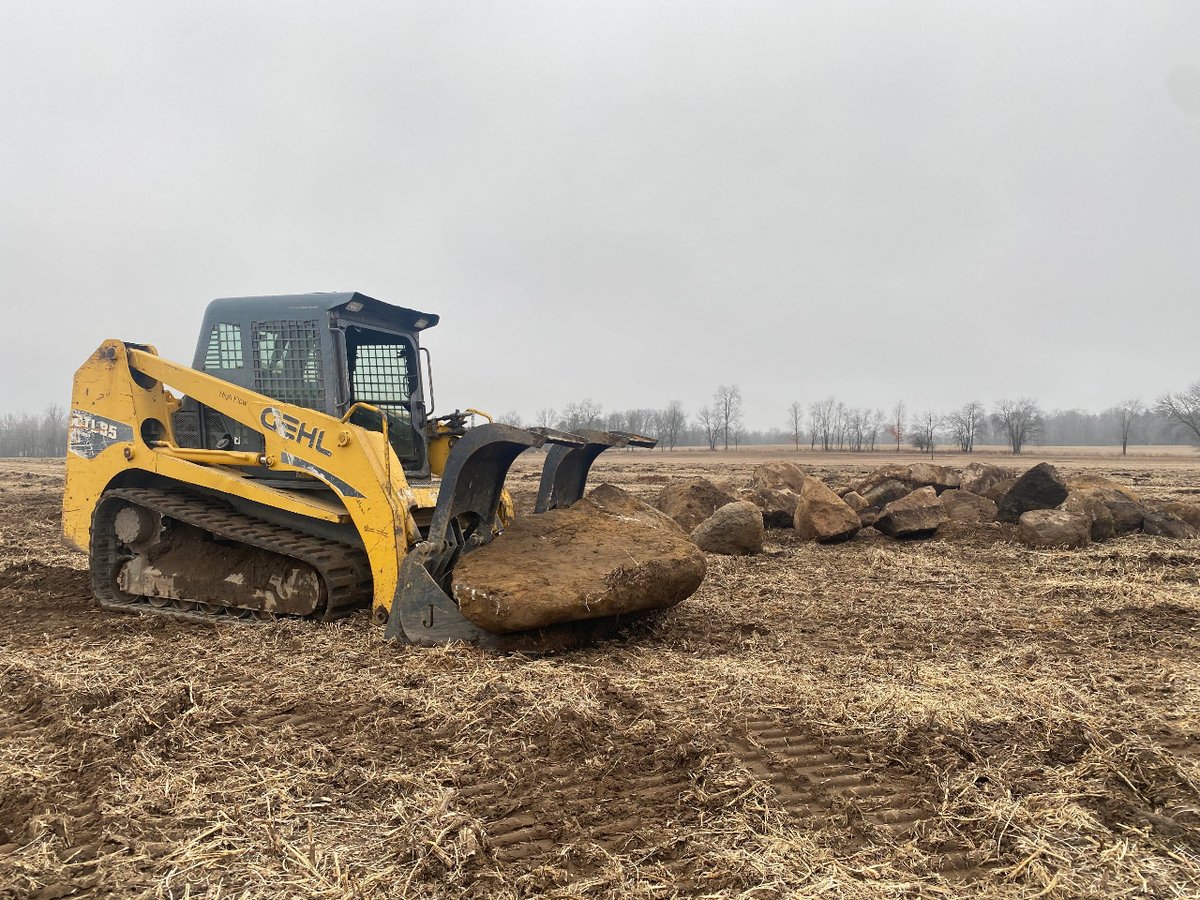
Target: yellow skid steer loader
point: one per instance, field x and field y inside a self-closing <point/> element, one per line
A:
<point x="301" y="473"/>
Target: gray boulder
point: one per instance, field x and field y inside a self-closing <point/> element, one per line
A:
<point x="823" y="516"/>
<point x="1039" y="488"/>
<point x="736" y="529"/>
<point x="1046" y="528"/>
<point x="919" y="514"/>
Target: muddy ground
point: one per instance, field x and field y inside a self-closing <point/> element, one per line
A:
<point x="954" y="717"/>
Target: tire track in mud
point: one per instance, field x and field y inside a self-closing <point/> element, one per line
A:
<point x="562" y="808"/>
<point x="832" y="782"/>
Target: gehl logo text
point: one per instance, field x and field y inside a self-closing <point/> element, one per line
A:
<point x="292" y="429"/>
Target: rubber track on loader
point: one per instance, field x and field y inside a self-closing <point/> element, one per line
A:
<point x="344" y="570"/>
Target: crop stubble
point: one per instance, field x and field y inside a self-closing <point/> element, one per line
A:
<point x="955" y="717"/>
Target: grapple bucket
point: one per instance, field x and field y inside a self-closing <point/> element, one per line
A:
<point x="423" y="610"/>
<point x="565" y="473"/>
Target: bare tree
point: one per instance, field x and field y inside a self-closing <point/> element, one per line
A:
<point x="875" y="426"/>
<point x="587" y="413"/>
<point x="895" y="427"/>
<point x="639" y="421"/>
<point x="1182" y="410"/>
<point x="672" y="421"/>
<point x="512" y="417"/>
<point x="1018" y="420"/>
<point x="1129" y="413"/>
<point x="796" y="421"/>
<point x="546" y="417"/>
<point x="823" y="417"/>
<point x="965" y="424"/>
<point x="710" y="425"/>
<point x="727" y="405"/>
<point x="924" y="431"/>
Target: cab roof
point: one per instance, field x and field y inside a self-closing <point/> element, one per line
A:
<point x="348" y="304"/>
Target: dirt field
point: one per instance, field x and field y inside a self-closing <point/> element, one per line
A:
<point x="957" y="717"/>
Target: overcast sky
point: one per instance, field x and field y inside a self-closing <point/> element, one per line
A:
<point x="629" y="201"/>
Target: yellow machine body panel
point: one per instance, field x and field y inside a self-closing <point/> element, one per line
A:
<point x="120" y="422"/>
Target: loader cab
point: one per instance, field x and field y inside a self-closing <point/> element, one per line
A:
<point x="321" y="351"/>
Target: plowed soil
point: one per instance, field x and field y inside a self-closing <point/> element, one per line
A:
<point x="955" y="717"/>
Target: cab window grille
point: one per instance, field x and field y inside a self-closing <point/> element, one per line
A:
<point x="287" y="362"/>
<point x="381" y="374"/>
<point x="224" y="347"/>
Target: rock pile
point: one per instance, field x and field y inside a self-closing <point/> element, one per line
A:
<point x="919" y="500"/>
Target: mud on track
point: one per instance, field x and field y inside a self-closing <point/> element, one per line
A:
<point x="958" y="717"/>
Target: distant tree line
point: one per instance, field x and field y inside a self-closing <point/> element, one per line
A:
<point x="827" y="424"/>
<point x="34" y="435"/>
<point x="832" y="425"/>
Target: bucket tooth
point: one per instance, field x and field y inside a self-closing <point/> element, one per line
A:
<point x="565" y="473"/>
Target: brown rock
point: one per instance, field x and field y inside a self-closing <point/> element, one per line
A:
<point x="855" y="501"/>
<point x="1045" y="528"/>
<point x="940" y="478"/>
<point x="1164" y="524"/>
<point x="880" y="495"/>
<point x="821" y="515"/>
<point x="1089" y="504"/>
<point x="690" y="501"/>
<point x="1089" y="482"/>
<point x="778" y="474"/>
<point x="603" y="556"/>
<point x="915" y="476"/>
<point x="1184" y="511"/>
<point x="736" y="529"/>
<point x="917" y="515"/>
<point x="997" y="491"/>
<point x="778" y="505"/>
<point x="1126" y="506"/>
<point x="1039" y="488"/>
<point x="978" y="478"/>
<point x="967" y="507"/>
<point x="882" y="475"/>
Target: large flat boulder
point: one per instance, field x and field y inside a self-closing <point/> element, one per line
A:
<point x="823" y="516"/>
<point x="690" y="501"/>
<point x="607" y="554"/>
<point x="920" y="514"/>
<point x="736" y="529"/>
<point x="1039" y="488"/>
<point x="967" y="507"/>
<point x="1048" y="528"/>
